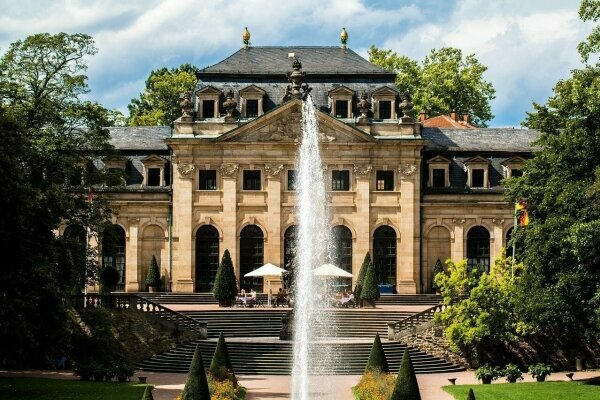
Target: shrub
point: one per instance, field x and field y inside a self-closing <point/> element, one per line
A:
<point x="225" y="288"/>
<point x="471" y="395"/>
<point x="374" y="385"/>
<point x="512" y="373"/>
<point x="370" y="290"/>
<point x="540" y="371"/>
<point x="487" y="373"/>
<point x="437" y="269"/>
<point x="220" y="367"/>
<point x="223" y="390"/>
<point x="407" y="387"/>
<point x="196" y="385"/>
<point x="377" y="359"/>
<point x="148" y="393"/>
<point x="122" y="370"/>
<point x="361" y="275"/>
<point x="153" y="275"/>
<point x="109" y="277"/>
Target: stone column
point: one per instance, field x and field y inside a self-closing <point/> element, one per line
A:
<point x="229" y="174"/>
<point x="496" y="240"/>
<point x="457" y="251"/>
<point x="131" y="257"/>
<point x="408" y="260"/>
<point x="363" y="209"/>
<point x="182" y="220"/>
<point x="273" y="244"/>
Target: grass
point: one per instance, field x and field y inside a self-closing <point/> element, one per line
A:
<point x="55" y="389"/>
<point x="529" y="391"/>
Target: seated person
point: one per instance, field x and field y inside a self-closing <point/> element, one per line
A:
<point x="252" y="296"/>
<point x="280" y="298"/>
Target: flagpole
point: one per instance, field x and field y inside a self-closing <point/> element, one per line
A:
<point x="514" y="247"/>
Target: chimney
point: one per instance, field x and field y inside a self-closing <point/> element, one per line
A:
<point x="465" y="118"/>
<point x="423" y="116"/>
<point x="454" y="115"/>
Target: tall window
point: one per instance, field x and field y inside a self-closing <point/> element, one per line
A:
<point x="113" y="251"/>
<point x="385" y="180"/>
<point x="251" y="108"/>
<point x="251" y="180"/>
<point x="251" y="256"/>
<point x="342" y="248"/>
<point x="385" y="109"/>
<point x="478" y="248"/>
<point x="208" y="109"/>
<point x="439" y="177"/>
<point x="341" y="108"/>
<point x="340" y="180"/>
<point x="292" y="176"/>
<point x="153" y="177"/>
<point x="207" y="179"/>
<point x="515" y="173"/>
<point x="207" y="257"/>
<point x="477" y="180"/>
<point x="384" y="254"/>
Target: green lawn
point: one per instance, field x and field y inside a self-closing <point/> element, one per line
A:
<point x="529" y="391"/>
<point x="55" y="389"/>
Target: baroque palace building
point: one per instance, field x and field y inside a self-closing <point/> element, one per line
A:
<point x="409" y="191"/>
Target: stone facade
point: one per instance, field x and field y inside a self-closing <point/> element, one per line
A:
<point x="228" y="183"/>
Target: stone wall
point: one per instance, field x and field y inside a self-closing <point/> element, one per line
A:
<point x="433" y="341"/>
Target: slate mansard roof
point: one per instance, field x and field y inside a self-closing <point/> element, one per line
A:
<point x="480" y="140"/>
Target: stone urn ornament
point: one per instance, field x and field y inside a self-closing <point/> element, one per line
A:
<point x="364" y="106"/>
<point x="187" y="106"/>
<point x="230" y="106"/>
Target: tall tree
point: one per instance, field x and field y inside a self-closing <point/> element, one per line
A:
<point x="158" y="104"/>
<point x="47" y="131"/>
<point x="444" y="81"/>
<point x="561" y="186"/>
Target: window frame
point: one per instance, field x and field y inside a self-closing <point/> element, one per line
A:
<point x="343" y="187"/>
<point x="245" y="180"/>
<point x="206" y="171"/>
<point x="385" y="181"/>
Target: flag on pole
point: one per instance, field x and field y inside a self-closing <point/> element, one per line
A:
<point x="90" y="194"/>
<point x="521" y="213"/>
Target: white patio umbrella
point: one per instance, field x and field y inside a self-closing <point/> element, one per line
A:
<point x="331" y="270"/>
<point x="267" y="270"/>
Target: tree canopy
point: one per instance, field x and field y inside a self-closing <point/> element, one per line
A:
<point x="158" y="104"/>
<point x="444" y="81"/>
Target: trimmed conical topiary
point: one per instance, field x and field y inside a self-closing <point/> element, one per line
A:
<point x="221" y="367"/>
<point x="225" y="288"/>
<point x="471" y="395"/>
<point x="148" y="393"/>
<point x="437" y="269"/>
<point x="377" y="360"/>
<point x="406" y="387"/>
<point x="153" y="275"/>
<point x="370" y="290"/>
<point x="361" y="276"/>
<point x="196" y="386"/>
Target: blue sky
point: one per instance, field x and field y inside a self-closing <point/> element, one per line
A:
<point x="528" y="45"/>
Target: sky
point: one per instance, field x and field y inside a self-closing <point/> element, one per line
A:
<point x="527" y="45"/>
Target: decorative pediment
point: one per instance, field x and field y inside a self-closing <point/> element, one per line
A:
<point x="283" y="124"/>
<point x="385" y="91"/>
<point x="341" y="90"/>
<point x="438" y="160"/>
<point x="476" y="160"/>
<point x="153" y="159"/>
<point x="252" y="89"/>
<point x="515" y="160"/>
<point x="208" y="90"/>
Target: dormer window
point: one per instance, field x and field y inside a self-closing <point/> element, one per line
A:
<point x="477" y="172"/>
<point x="513" y="167"/>
<point x="251" y="101"/>
<point x="384" y="103"/>
<point x="115" y="165"/>
<point x="341" y="102"/>
<point x="154" y="170"/>
<point x="208" y="102"/>
<point x="439" y="172"/>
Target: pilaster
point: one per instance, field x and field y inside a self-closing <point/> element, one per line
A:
<point x="273" y="244"/>
<point x="496" y="239"/>
<point x="183" y="219"/>
<point x="458" y="246"/>
<point x="132" y="283"/>
<point x="408" y="278"/>
<point x="363" y="207"/>
<point x="229" y="173"/>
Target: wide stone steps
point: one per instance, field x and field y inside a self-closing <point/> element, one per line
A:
<point x="273" y="357"/>
<point x="260" y="322"/>
<point x="207" y="298"/>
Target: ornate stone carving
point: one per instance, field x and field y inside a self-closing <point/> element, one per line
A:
<point x="186" y="170"/>
<point x="230" y="107"/>
<point x="187" y="106"/>
<point x="228" y="169"/>
<point x="344" y="37"/>
<point x="246" y="37"/>
<point x="405" y="106"/>
<point x="296" y="77"/>
<point x="498" y="221"/>
<point x="458" y="221"/>
<point x="363" y="170"/>
<point x="273" y="170"/>
<point x="133" y="220"/>
<point x="406" y="170"/>
<point x="364" y="105"/>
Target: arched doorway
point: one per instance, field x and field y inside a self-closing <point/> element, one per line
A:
<point x="153" y="243"/>
<point x="74" y="256"/>
<point x="438" y="248"/>
<point x="251" y="256"/>
<point x="478" y="248"/>
<point x="113" y="251"/>
<point x="384" y="254"/>
<point x="207" y="257"/>
<point x="341" y="247"/>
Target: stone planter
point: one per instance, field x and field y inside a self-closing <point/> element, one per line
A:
<point x="486" y="380"/>
<point x="225" y="303"/>
<point x="152" y="289"/>
<point x="511" y="379"/>
<point x="540" y="378"/>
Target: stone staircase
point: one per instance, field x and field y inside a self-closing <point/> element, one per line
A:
<point x="273" y="357"/>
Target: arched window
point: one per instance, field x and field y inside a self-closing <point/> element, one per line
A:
<point x="207" y="257"/>
<point x="152" y="244"/>
<point x="75" y="255"/>
<point x="341" y="254"/>
<point x="113" y="251"/>
<point x="251" y="256"/>
<point x="478" y="248"/>
<point x="384" y="254"/>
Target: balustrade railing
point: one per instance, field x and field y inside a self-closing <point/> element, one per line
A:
<point x="135" y="302"/>
<point x="408" y="325"/>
